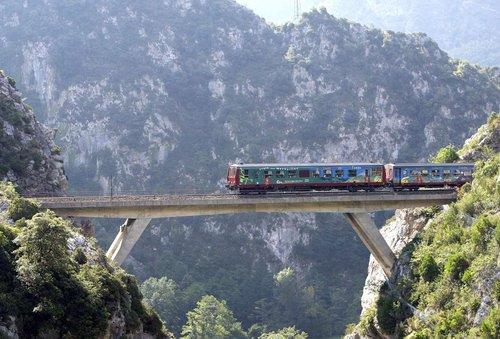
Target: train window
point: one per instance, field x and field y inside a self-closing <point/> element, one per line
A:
<point x="268" y="173"/>
<point x="352" y="173"/>
<point x="303" y="174"/>
<point x="435" y="172"/>
<point x="232" y="171"/>
<point x="425" y="172"/>
<point x="245" y="173"/>
<point x="446" y="173"/>
<point x="467" y="173"/>
<point x="292" y="173"/>
<point x="316" y="173"/>
<point x="256" y="174"/>
<point x="339" y="173"/>
<point x="415" y="173"/>
<point x="280" y="174"/>
<point x="327" y="173"/>
<point x="377" y="172"/>
<point x="456" y="172"/>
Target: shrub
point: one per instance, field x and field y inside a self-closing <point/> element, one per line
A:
<point x="11" y="81"/>
<point x="452" y="323"/>
<point x="21" y="223"/>
<point x="388" y="313"/>
<point x="56" y="150"/>
<point x="496" y="290"/>
<point x="22" y="208"/>
<point x="285" y="333"/>
<point x="480" y="232"/>
<point x="427" y="267"/>
<point x="455" y="265"/>
<point x="366" y="320"/>
<point x="468" y="276"/>
<point x="445" y="155"/>
<point x="490" y="327"/>
<point x="79" y="256"/>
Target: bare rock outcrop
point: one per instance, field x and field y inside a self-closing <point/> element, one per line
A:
<point x="29" y="158"/>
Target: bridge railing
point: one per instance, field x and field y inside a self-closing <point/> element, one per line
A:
<point x="136" y="192"/>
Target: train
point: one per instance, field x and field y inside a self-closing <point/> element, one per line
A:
<point x="263" y="178"/>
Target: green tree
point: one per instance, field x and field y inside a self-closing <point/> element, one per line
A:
<point x="42" y="252"/>
<point x="163" y="295"/>
<point x="285" y="333"/>
<point x="446" y="154"/>
<point x="212" y="319"/>
<point x="427" y="267"/>
<point x="290" y="308"/>
<point x="22" y="208"/>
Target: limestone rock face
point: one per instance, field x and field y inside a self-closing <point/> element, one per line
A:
<point x="29" y="158"/>
<point x="398" y="232"/>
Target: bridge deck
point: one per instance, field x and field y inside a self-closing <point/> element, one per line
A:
<point x="190" y="205"/>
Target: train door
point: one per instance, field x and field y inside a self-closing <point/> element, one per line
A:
<point x="396" y="176"/>
<point x="367" y="175"/>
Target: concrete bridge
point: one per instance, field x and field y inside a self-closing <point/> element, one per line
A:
<point x="139" y="210"/>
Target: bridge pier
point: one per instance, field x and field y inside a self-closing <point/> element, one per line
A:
<point x="126" y="238"/>
<point x="366" y="229"/>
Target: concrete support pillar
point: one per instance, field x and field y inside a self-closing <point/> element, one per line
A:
<point x="368" y="232"/>
<point x="128" y="235"/>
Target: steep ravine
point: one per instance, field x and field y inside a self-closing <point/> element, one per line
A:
<point x="161" y="95"/>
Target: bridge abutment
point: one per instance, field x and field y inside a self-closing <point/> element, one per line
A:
<point x="126" y="238"/>
<point x="366" y="229"/>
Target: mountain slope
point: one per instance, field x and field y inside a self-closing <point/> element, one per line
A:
<point x="158" y="96"/>
<point x="447" y="275"/>
<point x="465" y="29"/>
<point x="29" y="157"/>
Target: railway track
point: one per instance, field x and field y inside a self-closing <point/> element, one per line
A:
<point x="231" y="196"/>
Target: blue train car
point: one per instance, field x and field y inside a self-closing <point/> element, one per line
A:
<point x="414" y="176"/>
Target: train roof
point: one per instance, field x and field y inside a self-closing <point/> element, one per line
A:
<point x="422" y="164"/>
<point x="308" y="164"/>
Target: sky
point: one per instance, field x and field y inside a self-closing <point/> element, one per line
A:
<point x="280" y="11"/>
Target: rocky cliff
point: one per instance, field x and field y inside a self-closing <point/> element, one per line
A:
<point x="446" y="280"/>
<point x="29" y="158"/>
<point x="160" y="95"/>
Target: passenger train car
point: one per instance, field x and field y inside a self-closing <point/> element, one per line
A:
<point x="261" y="178"/>
<point x="414" y="176"/>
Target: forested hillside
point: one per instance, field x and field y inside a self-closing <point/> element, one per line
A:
<point x="446" y="281"/>
<point x="465" y="29"/>
<point x="160" y="95"/>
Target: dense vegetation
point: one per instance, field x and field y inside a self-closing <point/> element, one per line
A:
<point x="290" y="305"/>
<point x="55" y="282"/>
<point x="453" y="279"/>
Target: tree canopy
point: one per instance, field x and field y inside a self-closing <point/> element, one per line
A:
<point x="212" y="319"/>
